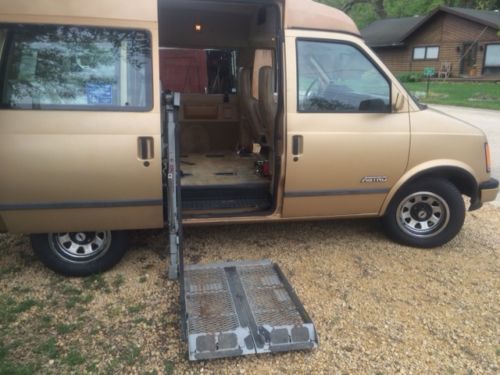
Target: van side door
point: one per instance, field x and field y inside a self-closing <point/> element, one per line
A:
<point x="346" y="145"/>
<point x="80" y="133"/>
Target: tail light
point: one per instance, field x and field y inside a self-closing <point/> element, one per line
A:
<point x="488" y="157"/>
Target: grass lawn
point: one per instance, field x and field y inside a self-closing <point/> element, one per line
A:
<point x="467" y="94"/>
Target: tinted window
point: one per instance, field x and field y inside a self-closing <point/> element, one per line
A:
<point x="2" y="42"/>
<point x="80" y="67"/>
<point x="337" y="77"/>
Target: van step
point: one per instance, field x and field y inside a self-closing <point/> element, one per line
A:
<point x="219" y="204"/>
<point x="243" y="308"/>
<point x="203" y="198"/>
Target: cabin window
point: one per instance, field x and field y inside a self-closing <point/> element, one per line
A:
<point x="492" y="59"/>
<point x="338" y="77"/>
<point x="426" y="53"/>
<point x="62" y="67"/>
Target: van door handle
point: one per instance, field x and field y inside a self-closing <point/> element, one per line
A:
<point x="297" y="146"/>
<point x="145" y="148"/>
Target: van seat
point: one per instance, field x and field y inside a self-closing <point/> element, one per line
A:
<point x="250" y="106"/>
<point x="268" y="106"/>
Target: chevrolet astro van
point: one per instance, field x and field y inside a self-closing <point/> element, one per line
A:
<point x="284" y="114"/>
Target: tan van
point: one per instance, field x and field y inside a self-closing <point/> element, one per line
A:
<point x="284" y="114"/>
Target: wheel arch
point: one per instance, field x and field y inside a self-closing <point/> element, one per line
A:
<point x="460" y="175"/>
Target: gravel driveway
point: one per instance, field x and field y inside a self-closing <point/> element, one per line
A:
<point x="379" y="308"/>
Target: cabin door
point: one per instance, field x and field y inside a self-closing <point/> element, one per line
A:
<point x="469" y="59"/>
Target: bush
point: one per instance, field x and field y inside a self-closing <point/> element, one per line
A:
<point x="410" y="77"/>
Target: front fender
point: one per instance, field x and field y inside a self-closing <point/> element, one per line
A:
<point x="446" y="168"/>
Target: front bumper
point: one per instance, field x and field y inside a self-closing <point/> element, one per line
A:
<point x="486" y="192"/>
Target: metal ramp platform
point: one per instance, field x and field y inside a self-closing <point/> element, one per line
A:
<point x="228" y="309"/>
<point x="243" y="308"/>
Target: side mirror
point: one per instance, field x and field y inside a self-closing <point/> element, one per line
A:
<point x="373" y="105"/>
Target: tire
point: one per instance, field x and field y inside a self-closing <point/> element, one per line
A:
<point x="80" y="253"/>
<point x="426" y="213"/>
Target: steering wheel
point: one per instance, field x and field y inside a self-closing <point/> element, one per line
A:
<point x="309" y="88"/>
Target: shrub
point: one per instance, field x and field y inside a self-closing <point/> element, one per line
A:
<point x="410" y="77"/>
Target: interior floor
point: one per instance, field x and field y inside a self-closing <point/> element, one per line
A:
<point x="223" y="182"/>
<point x="220" y="168"/>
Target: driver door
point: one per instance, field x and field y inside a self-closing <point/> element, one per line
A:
<point x="346" y="144"/>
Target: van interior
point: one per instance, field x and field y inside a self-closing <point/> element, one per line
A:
<point x="221" y="57"/>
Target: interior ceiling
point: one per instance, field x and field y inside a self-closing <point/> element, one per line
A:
<point x="178" y="17"/>
<point x="204" y="5"/>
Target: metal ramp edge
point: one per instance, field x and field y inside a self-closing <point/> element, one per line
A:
<point x="242" y="308"/>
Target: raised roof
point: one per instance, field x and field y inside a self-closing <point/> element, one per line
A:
<point x="308" y="14"/>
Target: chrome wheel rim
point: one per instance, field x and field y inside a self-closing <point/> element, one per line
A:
<point x="81" y="246"/>
<point x="423" y="214"/>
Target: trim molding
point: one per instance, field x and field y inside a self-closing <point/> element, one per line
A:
<point x="326" y="193"/>
<point x="79" y="204"/>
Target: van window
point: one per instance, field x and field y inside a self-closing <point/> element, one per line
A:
<point x="51" y="67"/>
<point x="221" y="71"/>
<point x="2" y="42"/>
<point x="198" y="71"/>
<point x="337" y="77"/>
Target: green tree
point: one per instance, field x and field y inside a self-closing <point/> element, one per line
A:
<point x="366" y="11"/>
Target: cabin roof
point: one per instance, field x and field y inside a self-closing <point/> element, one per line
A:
<point x="393" y="32"/>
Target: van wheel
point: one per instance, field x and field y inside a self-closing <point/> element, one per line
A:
<point x="427" y="213"/>
<point x="80" y="253"/>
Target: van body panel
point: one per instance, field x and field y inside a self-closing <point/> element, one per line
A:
<point x="87" y="219"/>
<point x="349" y="161"/>
<point x="69" y="159"/>
<point x="40" y="166"/>
<point x="144" y="10"/>
<point x="438" y="141"/>
<point x="314" y="15"/>
<point x="437" y="136"/>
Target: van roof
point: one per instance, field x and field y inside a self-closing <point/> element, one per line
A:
<point x="299" y="14"/>
<point x="308" y="14"/>
<point x="144" y="10"/>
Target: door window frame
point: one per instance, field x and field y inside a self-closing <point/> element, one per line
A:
<point x="355" y="46"/>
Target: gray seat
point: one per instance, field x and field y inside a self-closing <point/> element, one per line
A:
<point x="250" y="106"/>
<point x="268" y="106"/>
